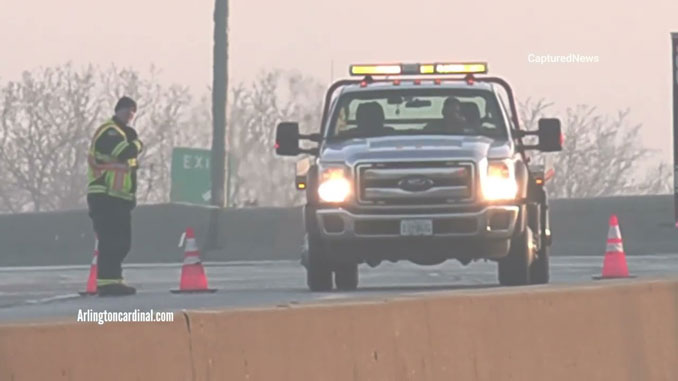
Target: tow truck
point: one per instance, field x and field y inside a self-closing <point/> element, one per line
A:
<point x="422" y="162"/>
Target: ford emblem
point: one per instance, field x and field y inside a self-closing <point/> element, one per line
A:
<point x="416" y="183"/>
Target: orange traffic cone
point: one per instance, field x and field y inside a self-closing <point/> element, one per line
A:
<point x="193" y="278"/>
<point x="614" y="264"/>
<point x="93" y="272"/>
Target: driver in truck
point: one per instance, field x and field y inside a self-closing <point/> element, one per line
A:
<point x="453" y="120"/>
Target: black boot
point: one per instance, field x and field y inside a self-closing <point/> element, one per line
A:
<point x="116" y="289"/>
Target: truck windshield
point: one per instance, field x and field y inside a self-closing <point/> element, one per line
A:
<point x="417" y="112"/>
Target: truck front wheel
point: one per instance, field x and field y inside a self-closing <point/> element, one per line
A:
<point x="346" y="276"/>
<point x="514" y="269"/>
<point x="318" y="269"/>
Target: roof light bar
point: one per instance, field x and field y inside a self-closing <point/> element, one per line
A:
<point x="427" y="69"/>
<point x="376" y="69"/>
<point x="420" y="69"/>
<point x="462" y="68"/>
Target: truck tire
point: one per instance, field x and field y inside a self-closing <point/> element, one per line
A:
<point x="539" y="270"/>
<point x="346" y="276"/>
<point x="514" y="269"/>
<point x="318" y="269"/>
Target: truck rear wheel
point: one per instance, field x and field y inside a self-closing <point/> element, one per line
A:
<point x="514" y="269"/>
<point x="346" y="276"/>
<point x="318" y="270"/>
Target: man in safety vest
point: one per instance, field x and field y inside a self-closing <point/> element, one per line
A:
<point x="111" y="194"/>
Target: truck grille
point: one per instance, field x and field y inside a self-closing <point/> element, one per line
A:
<point x="425" y="183"/>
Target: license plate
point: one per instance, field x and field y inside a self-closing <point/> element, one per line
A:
<point x="416" y="227"/>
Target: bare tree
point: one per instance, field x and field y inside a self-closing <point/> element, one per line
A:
<point x="261" y="177"/>
<point x="44" y="135"/>
<point x="12" y="198"/>
<point x="602" y="155"/>
<point x="657" y="180"/>
<point x="48" y="117"/>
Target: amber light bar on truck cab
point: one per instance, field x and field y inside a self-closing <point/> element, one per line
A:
<point x="420" y="69"/>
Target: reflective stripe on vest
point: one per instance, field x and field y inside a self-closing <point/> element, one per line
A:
<point x="120" y="147"/>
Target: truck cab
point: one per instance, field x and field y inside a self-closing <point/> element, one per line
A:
<point x="423" y="163"/>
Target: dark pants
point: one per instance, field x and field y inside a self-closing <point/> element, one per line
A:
<point x="112" y="220"/>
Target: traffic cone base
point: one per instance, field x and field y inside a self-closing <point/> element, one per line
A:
<point x="193" y="278"/>
<point x="600" y="277"/>
<point x="201" y="291"/>
<point x="614" y="264"/>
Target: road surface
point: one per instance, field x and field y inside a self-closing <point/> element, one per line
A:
<point x="38" y="294"/>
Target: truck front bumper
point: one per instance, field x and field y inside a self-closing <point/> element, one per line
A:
<point x="492" y="222"/>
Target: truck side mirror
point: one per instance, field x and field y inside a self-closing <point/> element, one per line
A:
<point x="550" y="135"/>
<point x="287" y="139"/>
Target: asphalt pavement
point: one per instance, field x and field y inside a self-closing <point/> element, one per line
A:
<point x="48" y="293"/>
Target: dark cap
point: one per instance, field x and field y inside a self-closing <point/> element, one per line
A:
<point x="125" y="102"/>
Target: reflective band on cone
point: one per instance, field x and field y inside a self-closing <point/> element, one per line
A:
<point x="191" y="260"/>
<point x="191" y="246"/>
<point x="615" y="248"/>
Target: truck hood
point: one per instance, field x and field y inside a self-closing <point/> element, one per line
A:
<point x="436" y="147"/>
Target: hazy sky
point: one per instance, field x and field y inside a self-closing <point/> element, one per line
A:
<point x="631" y="39"/>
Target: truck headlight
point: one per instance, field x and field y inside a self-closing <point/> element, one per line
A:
<point x="499" y="183"/>
<point x="335" y="185"/>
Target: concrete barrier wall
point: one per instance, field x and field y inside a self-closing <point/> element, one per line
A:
<point x="113" y="351"/>
<point x="628" y="331"/>
<point x="647" y="224"/>
<point x="65" y="238"/>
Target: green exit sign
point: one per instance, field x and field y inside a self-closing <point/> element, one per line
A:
<point x="191" y="176"/>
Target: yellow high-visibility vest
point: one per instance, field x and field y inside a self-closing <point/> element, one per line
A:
<point x="107" y="175"/>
